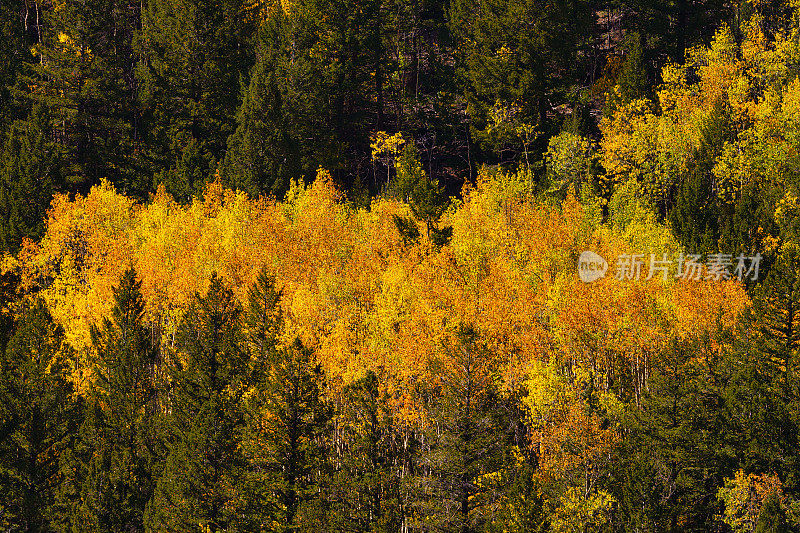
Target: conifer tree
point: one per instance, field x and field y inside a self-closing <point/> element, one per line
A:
<point x="512" y="55"/>
<point x="192" y="56"/>
<point x="367" y="484"/>
<point x="38" y="419"/>
<point x="772" y="518"/>
<point x="287" y="419"/>
<point x="467" y="438"/>
<point x="764" y="393"/>
<point x="776" y="309"/>
<point x="13" y="58"/>
<point x="423" y="194"/>
<point x="205" y="474"/>
<point x="263" y="320"/>
<point x="289" y="434"/>
<point x="84" y="77"/>
<point x="265" y="151"/>
<point x="292" y="119"/>
<point x="632" y="80"/>
<point x="119" y="431"/>
<point x="695" y="217"/>
<point x="30" y="173"/>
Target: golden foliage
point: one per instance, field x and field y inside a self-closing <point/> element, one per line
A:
<point x="362" y="297"/>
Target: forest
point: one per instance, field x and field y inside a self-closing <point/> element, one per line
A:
<point x="411" y="266"/>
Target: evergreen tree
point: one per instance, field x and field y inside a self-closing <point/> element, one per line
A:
<point x="695" y="217"/>
<point x="777" y="309"/>
<point x="308" y="101"/>
<point x="422" y="192"/>
<point x="513" y="56"/>
<point x="367" y="484"/>
<point x="119" y="431"/>
<point x="632" y="80"/>
<point x="294" y="434"/>
<point x="38" y="419"/>
<point x="740" y="223"/>
<point x="772" y="518"/>
<point x="205" y="476"/>
<point x="765" y="393"/>
<point x="13" y="57"/>
<point x="682" y="437"/>
<point x="263" y="320"/>
<point x="192" y="56"/>
<point x="29" y="176"/>
<point x="266" y="152"/>
<point x="9" y="289"/>
<point x="84" y="77"/>
<point x="287" y="420"/>
<point x="468" y="439"/>
<point x="674" y="26"/>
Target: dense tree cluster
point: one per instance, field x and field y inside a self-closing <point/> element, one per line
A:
<point x="176" y="92"/>
<point x="307" y="365"/>
<point x="310" y="265"/>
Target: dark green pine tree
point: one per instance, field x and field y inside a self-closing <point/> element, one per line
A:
<point x="367" y="486"/>
<point x="468" y="438"/>
<point x="202" y="486"/>
<point x="39" y="417"/>
<point x="772" y="518"/>
<point x="776" y="310"/>
<point x="288" y="436"/>
<point x="673" y="26"/>
<point x="753" y="209"/>
<point x="265" y="152"/>
<point x="681" y="444"/>
<point x="633" y="77"/>
<point x="9" y="293"/>
<point x="308" y="101"/>
<point x="263" y="320"/>
<point x="119" y="432"/>
<point x="14" y="54"/>
<point x="30" y="173"/>
<point x="424" y="195"/>
<point x="518" y="53"/>
<point x="766" y="390"/>
<point x="695" y="217"/>
<point x="84" y="77"/>
<point x="193" y="55"/>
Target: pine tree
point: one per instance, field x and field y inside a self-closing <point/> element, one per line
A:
<point x="289" y="424"/>
<point x="695" y="217"/>
<point x="292" y="119"/>
<point x="119" y="431"/>
<point x="367" y="484"/>
<point x="468" y="439"/>
<point x="13" y="58"/>
<point x="9" y="292"/>
<point x="512" y="55"/>
<point x="632" y="80"/>
<point x="84" y="77"/>
<point x="204" y="479"/>
<point x="29" y="176"/>
<point x="776" y="307"/>
<point x="423" y="194"/>
<point x="684" y="432"/>
<point x="38" y="419"/>
<point x="192" y="56"/>
<point x="772" y="518"/>
<point x="764" y="392"/>
<point x="263" y="320"/>
<point x="265" y="152"/>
